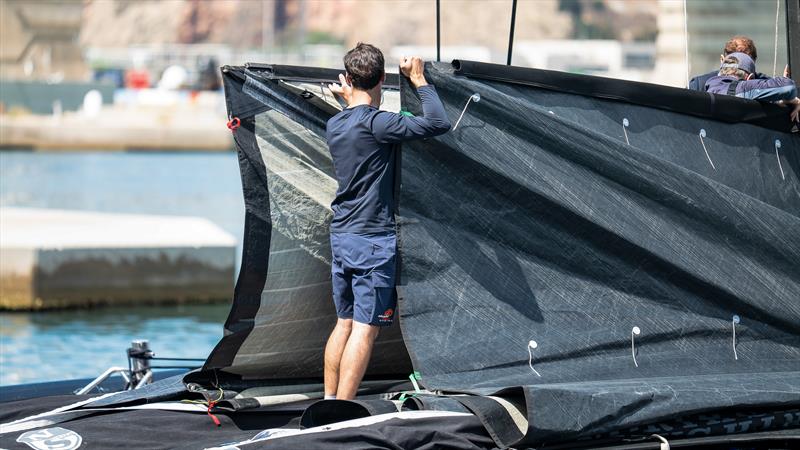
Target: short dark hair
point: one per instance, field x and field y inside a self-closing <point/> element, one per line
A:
<point x="364" y="63"/>
<point x="741" y="44"/>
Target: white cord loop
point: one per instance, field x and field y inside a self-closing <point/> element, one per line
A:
<point x="476" y="97"/>
<point x="664" y="442"/>
<point x="635" y="331"/>
<point x="734" y="321"/>
<point x="702" y="135"/>
<point x="778" y="156"/>
<point x="625" y="124"/>
<point x="532" y="345"/>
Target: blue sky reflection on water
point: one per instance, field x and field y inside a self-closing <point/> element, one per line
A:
<point x="83" y="343"/>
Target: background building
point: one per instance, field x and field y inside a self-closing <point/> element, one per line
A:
<point x="39" y="40"/>
<point x="710" y="23"/>
<point x="713" y="22"/>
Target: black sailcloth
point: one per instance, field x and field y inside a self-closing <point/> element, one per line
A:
<point x="562" y="209"/>
<point x="568" y="220"/>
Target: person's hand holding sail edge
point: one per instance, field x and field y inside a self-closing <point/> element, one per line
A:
<point x="413" y="67"/>
<point x="795" y="110"/>
<point x="343" y="90"/>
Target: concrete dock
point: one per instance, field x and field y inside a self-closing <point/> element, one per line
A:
<point x="56" y="259"/>
<point x="117" y="130"/>
<point x="148" y="120"/>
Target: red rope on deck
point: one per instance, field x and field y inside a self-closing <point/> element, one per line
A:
<point x="213" y="417"/>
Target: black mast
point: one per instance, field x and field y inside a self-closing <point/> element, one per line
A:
<point x="793" y="38"/>
<point x="438" y="34"/>
<point x="511" y="31"/>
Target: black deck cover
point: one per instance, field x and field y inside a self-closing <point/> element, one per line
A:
<point x="163" y="429"/>
<point x="141" y="429"/>
<point x="542" y="217"/>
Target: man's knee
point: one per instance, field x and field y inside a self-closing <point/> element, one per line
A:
<point x="344" y="324"/>
<point x="366" y="330"/>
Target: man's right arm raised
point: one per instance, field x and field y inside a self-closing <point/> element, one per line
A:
<point x="391" y="127"/>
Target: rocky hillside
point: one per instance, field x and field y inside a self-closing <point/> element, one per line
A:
<point x="249" y="24"/>
<point x="240" y="23"/>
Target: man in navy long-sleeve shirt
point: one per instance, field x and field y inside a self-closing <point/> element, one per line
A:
<point x="362" y="142"/>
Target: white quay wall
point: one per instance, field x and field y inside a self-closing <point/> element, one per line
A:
<point x="55" y="258"/>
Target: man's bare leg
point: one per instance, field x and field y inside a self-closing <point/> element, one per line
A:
<point x="333" y="354"/>
<point x="355" y="359"/>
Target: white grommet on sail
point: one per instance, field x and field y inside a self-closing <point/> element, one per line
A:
<point x="778" y="156"/>
<point x="476" y="97"/>
<point x="635" y="331"/>
<point x="702" y="135"/>
<point x="532" y="345"/>
<point x="625" y="124"/>
<point x="734" y="321"/>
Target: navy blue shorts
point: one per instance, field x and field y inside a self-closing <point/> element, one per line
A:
<point x="363" y="271"/>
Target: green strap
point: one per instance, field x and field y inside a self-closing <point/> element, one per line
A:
<point x="414" y="377"/>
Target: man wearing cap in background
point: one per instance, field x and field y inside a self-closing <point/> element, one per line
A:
<point x="737" y="76"/>
<point x="741" y="44"/>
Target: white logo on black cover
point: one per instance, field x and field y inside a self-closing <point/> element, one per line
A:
<point x="51" y="439"/>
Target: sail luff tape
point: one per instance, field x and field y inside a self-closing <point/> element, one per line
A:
<point x="476" y="97"/>
<point x="702" y="135"/>
<point x="635" y="331"/>
<point x="778" y="156"/>
<point x="625" y="124"/>
<point x="532" y="345"/>
<point x="734" y="320"/>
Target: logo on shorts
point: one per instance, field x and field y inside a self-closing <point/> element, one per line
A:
<point x="386" y="316"/>
<point x="51" y="439"/>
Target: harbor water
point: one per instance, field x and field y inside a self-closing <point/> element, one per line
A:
<point x="51" y="345"/>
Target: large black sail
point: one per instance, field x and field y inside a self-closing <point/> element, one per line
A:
<point x="568" y="220"/>
<point x="563" y="209"/>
